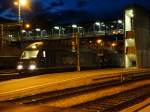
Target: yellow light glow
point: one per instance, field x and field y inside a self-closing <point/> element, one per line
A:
<point x="15" y="3"/>
<point x="23" y="2"/>
<point x="27" y="25"/>
<point x="114" y="32"/>
<point x="99" y="41"/>
<point x="34" y="47"/>
<point x="113" y="44"/>
<point x="37" y="44"/>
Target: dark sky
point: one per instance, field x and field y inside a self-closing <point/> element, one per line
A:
<point x="70" y="10"/>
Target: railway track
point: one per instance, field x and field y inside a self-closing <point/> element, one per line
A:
<point x="116" y="102"/>
<point x="103" y="104"/>
<point x="113" y="103"/>
<point x="53" y="96"/>
<point x="44" y="97"/>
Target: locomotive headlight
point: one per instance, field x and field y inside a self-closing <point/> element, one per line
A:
<point x="20" y="67"/>
<point x="32" y="67"/>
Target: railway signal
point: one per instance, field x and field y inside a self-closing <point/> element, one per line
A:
<point x="76" y="49"/>
<point x="74" y="42"/>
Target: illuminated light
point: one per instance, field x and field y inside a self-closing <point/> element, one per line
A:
<point x="99" y="41"/>
<point x="103" y="25"/>
<point x="38" y="29"/>
<point x="56" y="27"/>
<point x="119" y="31"/>
<point x="112" y="26"/>
<point x="130" y="42"/>
<point x="34" y="47"/>
<point x="126" y="43"/>
<point x="127" y="64"/>
<point x="15" y="3"/>
<point x="23" y="2"/>
<point x="114" y="32"/>
<point x="120" y="21"/>
<point x="10" y="36"/>
<point x="130" y="39"/>
<point x="90" y="41"/>
<point x="113" y="44"/>
<point x="37" y="44"/>
<point x="74" y="26"/>
<point x="23" y="31"/>
<point x="97" y="23"/>
<point x="27" y="25"/>
<point x="44" y="54"/>
<point x="32" y="67"/>
<point x="80" y="27"/>
<point x="130" y="13"/>
<point x="19" y="67"/>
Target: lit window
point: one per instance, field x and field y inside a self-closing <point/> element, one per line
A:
<point x="44" y="54"/>
<point x="130" y="13"/>
<point x="29" y="54"/>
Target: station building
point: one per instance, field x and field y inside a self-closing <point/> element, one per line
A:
<point x="137" y="37"/>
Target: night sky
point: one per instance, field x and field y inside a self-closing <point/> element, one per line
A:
<point x="69" y="11"/>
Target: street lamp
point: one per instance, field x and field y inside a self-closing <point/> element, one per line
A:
<point x="97" y="24"/>
<point x="27" y="26"/>
<point x="38" y="30"/>
<point x="58" y="29"/>
<point x="20" y="3"/>
<point x="74" y="26"/>
<point x="120" y="21"/>
<point x="99" y="41"/>
<point x="113" y="45"/>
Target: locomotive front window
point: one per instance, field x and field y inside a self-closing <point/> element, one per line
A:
<point x="29" y="54"/>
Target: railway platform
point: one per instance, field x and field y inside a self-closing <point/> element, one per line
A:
<point x="59" y="81"/>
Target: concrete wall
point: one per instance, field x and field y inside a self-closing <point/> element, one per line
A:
<point x="142" y="36"/>
<point x="9" y="57"/>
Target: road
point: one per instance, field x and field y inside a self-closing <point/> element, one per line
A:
<point x="57" y="81"/>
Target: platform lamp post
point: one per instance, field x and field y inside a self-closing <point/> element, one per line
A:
<point x="20" y="4"/>
<point x="98" y="24"/>
<point x="75" y="46"/>
<point x="27" y="27"/>
<point x="38" y="31"/>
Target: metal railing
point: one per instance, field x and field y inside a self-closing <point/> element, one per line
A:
<point x="16" y="37"/>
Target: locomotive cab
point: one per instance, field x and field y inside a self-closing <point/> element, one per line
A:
<point x="30" y="57"/>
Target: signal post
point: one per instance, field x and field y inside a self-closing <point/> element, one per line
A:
<point x="76" y="49"/>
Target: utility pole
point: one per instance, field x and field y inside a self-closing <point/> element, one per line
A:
<point x="76" y="49"/>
